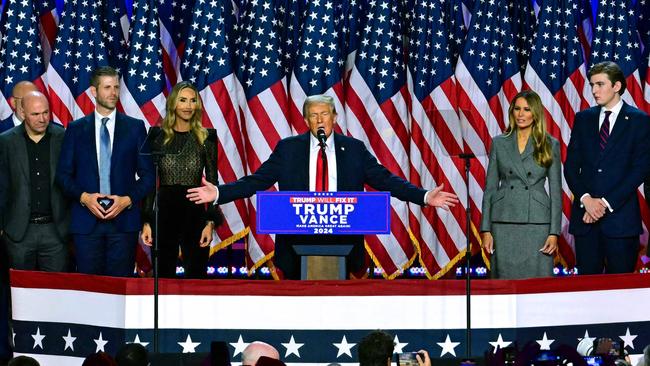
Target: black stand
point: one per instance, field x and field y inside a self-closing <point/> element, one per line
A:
<point x="147" y="148"/>
<point x="468" y="255"/>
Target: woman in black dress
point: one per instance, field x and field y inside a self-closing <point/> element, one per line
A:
<point x="189" y="151"/>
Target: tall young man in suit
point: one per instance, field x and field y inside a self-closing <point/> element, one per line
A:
<point x="607" y="160"/>
<point x="97" y="170"/>
<point x="293" y="165"/>
<point x="17" y="93"/>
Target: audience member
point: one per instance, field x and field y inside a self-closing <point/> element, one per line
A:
<point x="376" y="349"/>
<point x="132" y="354"/>
<point x="23" y="361"/>
<point x="99" y="162"/>
<point x="99" y="359"/>
<point x="257" y="349"/>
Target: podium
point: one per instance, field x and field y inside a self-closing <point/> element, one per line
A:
<point x="323" y="213"/>
<point x="336" y="252"/>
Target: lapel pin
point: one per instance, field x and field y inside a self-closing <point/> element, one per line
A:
<point x="627" y="117"/>
<point x="342" y="148"/>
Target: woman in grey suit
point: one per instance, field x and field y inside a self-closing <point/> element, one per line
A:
<point x="521" y="222"/>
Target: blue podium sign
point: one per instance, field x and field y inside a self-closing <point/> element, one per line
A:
<point x="309" y="213"/>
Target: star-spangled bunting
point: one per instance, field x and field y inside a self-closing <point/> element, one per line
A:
<point x="21" y="56"/>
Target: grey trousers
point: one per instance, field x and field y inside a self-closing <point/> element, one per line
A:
<point x="41" y="249"/>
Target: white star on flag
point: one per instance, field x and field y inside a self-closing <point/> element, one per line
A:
<point x="344" y="347"/>
<point x="545" y="343"/>
<point x="239" y="346"/>
<point x="188" y="345"/>
<point x="448" y="347"/>
<point x="38" y="338"/>
<point x="69" y="341"/>
<point x="628" y="339"/>
<point x="499" y="343"/>
<point x="137" y="340"/>
<point x="100" y="342"/>
<point x="399" y="346"/>
<point x="292" y="347"/>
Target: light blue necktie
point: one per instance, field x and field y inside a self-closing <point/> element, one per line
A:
<point x="104" y="159"/>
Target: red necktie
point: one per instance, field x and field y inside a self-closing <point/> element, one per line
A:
<point x="321" y="170"/>
<point x="604" y="131"/>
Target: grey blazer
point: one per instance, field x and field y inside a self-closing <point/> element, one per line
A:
<point x="15" y="188"/>
<point x="514" y="186"/>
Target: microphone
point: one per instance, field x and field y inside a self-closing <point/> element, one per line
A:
<point x="320" y="135"/>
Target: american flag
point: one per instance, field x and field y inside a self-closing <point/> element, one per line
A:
<point x="21" y="56"/>
<point x="319" y="63"/>
<point x="557" y="72"/>
<point x="78" y="50"/>
<point x="175" y="19"/>
<point x="115" y="30"/>
<point x="208" y="64"/>
<point x="377" y="114"/>
<point x="143" y="81"/>
<point x="262" y="99"/>
<point x="488" y="77"/>
<point x="49" y="21"/>
<point x="435" y="136"/>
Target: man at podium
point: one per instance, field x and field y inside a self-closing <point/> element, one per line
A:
<point x="297" y="164"/>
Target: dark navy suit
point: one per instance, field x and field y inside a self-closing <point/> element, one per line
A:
<point x="615" y="174"/>
<point x="288" y="165"/>
<point x="78" y="172"/>
<point x="7" y="124"/>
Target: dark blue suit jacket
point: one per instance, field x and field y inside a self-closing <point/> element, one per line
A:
<point x="78" y="171"/>
<point x="7" y="124"/>
<point x="288" y="165"/>
<point x="614" y="174"/>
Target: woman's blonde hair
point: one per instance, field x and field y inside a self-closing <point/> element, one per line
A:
<point x="170" y="118"/>
<point x="542" y="152"/>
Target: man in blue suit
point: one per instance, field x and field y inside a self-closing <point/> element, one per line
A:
<point x="97" y="169"/>
<point x="607" y="160"/>
<point x="294" y="165"/>
<point x="21" y="89"/>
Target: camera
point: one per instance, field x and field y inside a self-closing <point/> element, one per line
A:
<point x="409" y="358"/>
